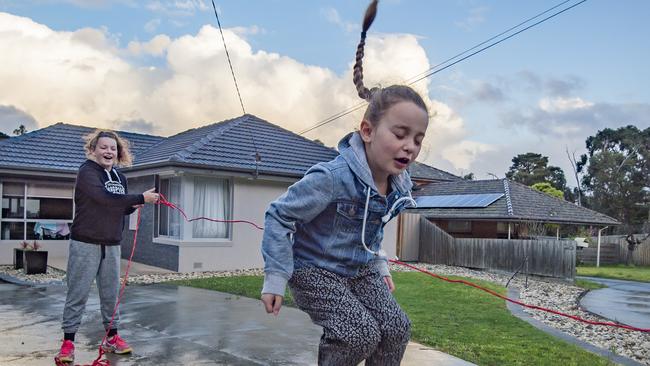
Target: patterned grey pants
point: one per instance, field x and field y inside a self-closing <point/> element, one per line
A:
<point x="360" y="318"/>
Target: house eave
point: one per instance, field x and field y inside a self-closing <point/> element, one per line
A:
<point x="154" y="168"/>
<point x="17" y="171"/>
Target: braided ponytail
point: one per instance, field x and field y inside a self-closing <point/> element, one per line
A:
<point x="379" y="99"/>
<point x="357" y="77"/>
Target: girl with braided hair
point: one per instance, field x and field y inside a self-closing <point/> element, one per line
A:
<point x="323" y="236"/>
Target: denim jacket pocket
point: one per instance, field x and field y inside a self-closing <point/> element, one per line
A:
<point x="349" y="219"/>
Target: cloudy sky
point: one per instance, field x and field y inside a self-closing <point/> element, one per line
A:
<point x="159" y="67"/>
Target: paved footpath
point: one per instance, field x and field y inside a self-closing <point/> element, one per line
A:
<point x="627" y="302"/>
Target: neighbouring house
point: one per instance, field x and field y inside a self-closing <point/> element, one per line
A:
<point x="497" y="208"/>
<point x="229" y="170"/>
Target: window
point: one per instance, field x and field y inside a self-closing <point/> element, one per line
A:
<point x="212" y="200"/>
<point x="459" y="226"/>
<point x="41" y="211"/>
<point x="169" y="220"/>
<point x="198" y="196"/>
<point x="502" y="227"/>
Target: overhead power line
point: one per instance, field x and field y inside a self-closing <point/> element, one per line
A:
<point x="228" y="57"/>
<point x="439" y="67"/>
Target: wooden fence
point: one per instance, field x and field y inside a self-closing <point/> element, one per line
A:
<point x="553" y="258"/>
<point x="613" y="250"/>
<point x="408" y="242"/>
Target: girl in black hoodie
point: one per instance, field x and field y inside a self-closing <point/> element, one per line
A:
<point x="101" y="202"/>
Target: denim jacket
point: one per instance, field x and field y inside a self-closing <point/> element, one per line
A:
<point x="318" y="221"/>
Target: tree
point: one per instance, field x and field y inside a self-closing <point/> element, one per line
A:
<point x="21" y="130"/>
<point x="3" y="136"/>
<point x="547" y="188"/>
<point x="616" y="173"/>
<point x="531" y="168"/>
<point x="468" y="176"/>
<point x="576" y="193"/>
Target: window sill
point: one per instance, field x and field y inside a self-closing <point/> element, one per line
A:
<point x="194" y="242"/>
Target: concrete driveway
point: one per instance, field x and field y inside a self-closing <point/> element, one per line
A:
<point x="169" y="325"/>
<point x="627" y="302"/>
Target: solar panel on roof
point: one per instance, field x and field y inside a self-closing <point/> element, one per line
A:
<point x="458" y="200"/>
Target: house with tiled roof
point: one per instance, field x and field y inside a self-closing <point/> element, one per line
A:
<point x="490" y="209"/>
<point x="227" y="170"/>
<point x="486" y="208"/>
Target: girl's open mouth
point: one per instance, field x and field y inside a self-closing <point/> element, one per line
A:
<point x="401" y="163"/>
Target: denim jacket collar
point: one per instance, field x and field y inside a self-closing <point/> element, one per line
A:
<point x="352" y="149"/>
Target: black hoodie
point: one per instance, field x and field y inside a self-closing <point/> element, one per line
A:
<point x="101" y="201"/>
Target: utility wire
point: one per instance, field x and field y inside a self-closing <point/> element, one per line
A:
<point x="486" y="41"/>
<point x="257" y="157"/>
<point x="496" y="43"/>
<point x="431" y="71"/>
<point x="228" y="57"/>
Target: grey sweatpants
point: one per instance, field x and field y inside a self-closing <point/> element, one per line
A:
<point x="85" y="264"/>
<point x="360" y="318"/>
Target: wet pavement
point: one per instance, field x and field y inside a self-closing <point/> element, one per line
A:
<point x="169" y="325"/>
<point x="627" y="302"/>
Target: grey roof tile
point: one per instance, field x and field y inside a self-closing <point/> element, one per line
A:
<point x="423" y="171"/>
<point x="228" y="145"/>
<point x="58" y="147"/>
<point x="232" y="144"/>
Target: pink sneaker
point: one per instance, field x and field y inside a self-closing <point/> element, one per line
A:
<point x="116" y="345"/>
<point x="66" y="354"/>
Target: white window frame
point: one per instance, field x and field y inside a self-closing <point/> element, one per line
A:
<point x="186" y="203"/>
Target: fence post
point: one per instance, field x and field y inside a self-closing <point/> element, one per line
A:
<point x="598" y="250"/>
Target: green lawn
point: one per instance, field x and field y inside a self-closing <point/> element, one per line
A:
<point x="455" y="319"/>
<point x="618" y="271"/>
<point x="588" y="285"/>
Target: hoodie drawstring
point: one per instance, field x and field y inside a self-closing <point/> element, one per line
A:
<point x="110" y="178"/>
<point x="410" y="200"/>
<point x="384" y="219"/>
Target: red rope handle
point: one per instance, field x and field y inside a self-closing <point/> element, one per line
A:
<point x="574" y="317"/>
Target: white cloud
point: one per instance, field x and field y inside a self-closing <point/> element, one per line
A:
<point x="576" y="117"/>
<point x="79" y="77"/>
<point x="152" y="25"/>
<point x="332" y="16"/>
<point x="464" y="153"/>
<point x="563" y="104"/>
<point x="245" y="31"/>
<point x="155" y="47"/>
<point x="177" y="7"/>
<point x="190" y="5"/>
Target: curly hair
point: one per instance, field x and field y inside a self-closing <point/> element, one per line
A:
<point x="124" y="157"/>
